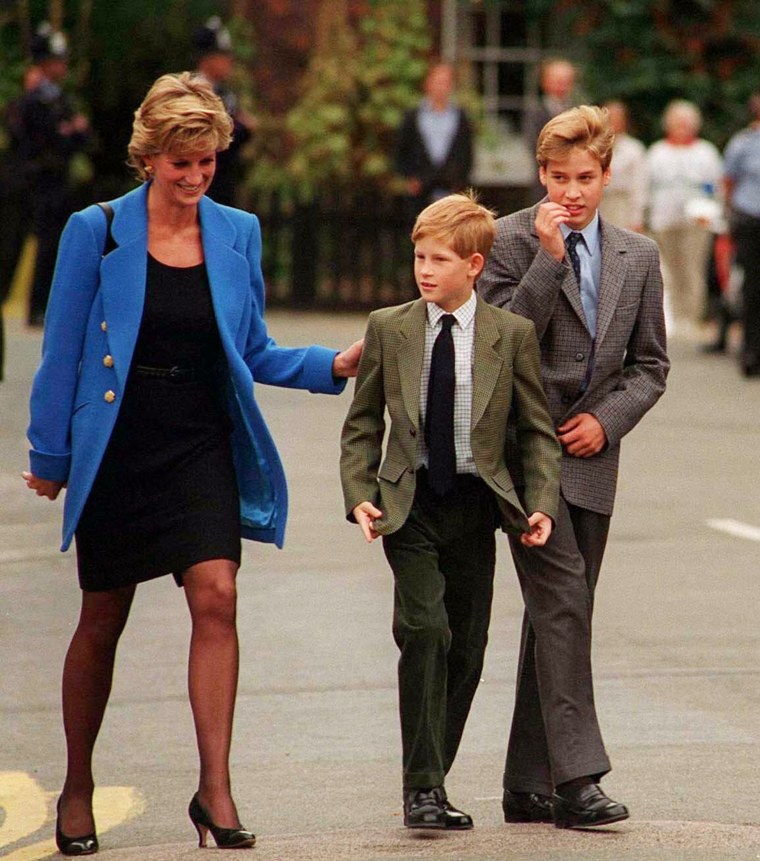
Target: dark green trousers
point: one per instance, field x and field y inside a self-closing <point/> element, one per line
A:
<point x="443" y="561"/>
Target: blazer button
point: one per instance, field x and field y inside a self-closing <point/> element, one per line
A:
<point x="412" y="432"/>
<point x="109" y="396"/>
<point x="579" y="357"/>
<point x="108" y="361"/>
<point x="104" y="326"/>
<point x="566" y="399"/>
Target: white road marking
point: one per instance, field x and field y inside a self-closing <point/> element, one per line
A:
<point x="736" y="528"/>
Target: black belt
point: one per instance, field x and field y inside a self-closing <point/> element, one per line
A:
<point x="175" y="374"/>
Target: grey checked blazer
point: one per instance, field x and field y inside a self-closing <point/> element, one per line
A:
<point x="630" y="364"/>
<point x="506" y="381"/>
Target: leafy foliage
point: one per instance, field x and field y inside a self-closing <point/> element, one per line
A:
<point x="117" y="51"/>
<point x="366" y="69"/>
<point x="648" y="52"/>
<point x="360" y="80"/>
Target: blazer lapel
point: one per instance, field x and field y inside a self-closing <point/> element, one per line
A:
<point x="572" y="289"/>
<point x="228" y="271"/>
<point x="487" y="363"/>
<point x="409" y="358"/>
<point x="122" y="278"/>
<point x="613" y="278"/>
<point x="124" y="270"/>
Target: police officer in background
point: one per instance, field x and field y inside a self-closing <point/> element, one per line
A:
<point x="50" y="133"/>
<point x="215" y="62"/>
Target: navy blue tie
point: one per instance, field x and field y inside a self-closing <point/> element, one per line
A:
<point x="572" y="252"/>
<point x="439" y="418"/>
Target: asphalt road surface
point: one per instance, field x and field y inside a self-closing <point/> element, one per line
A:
<point x="316" y="749"/>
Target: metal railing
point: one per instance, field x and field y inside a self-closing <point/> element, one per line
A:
<point x="339" y="251"/>
<point x="346" y="251"/>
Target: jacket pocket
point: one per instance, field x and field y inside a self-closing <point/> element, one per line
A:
<point x="392" y="470"/>
<point x="504" y="480"/>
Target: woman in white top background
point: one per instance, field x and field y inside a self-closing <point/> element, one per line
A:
<point x="684" y="172"/>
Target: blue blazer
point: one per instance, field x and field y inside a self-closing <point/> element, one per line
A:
<point x="91" y="327"/>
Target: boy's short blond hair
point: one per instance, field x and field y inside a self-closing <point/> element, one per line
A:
<point x="587" y="127"/>
<point x="459" y="221"/>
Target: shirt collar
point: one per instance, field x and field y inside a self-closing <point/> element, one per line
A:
<point x="590" y="233"/>
<point x="464" y="314"/>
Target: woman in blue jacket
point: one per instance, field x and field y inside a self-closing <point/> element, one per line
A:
<point x="143" y="407"/>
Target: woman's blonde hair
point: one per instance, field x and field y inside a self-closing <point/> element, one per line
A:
<point x="587" y="127"/>
<point x="181" y="114"/>
<point x="459" y="221"/>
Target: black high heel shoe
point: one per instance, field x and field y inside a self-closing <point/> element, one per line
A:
<point x="226" y="838"/>
<point x="87" y="845"/>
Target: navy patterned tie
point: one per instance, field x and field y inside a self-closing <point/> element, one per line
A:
<point x="572" y="240"/>
<point x="439" y="418"/>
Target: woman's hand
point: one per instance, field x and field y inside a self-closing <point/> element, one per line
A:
<point x="346" y="364"/>
<point x="42" y="486"/>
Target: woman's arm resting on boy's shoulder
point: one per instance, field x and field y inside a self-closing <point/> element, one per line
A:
<point x="365" y="515"/>
<point x="540" y="530"/>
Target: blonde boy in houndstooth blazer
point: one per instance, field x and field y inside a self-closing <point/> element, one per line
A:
<point x="594" y="293"/>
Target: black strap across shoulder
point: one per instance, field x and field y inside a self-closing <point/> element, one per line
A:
<point x="110" y="242"/>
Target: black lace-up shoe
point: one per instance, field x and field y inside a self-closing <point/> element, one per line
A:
<point x="526" y="807"/>
<point x="430" y="808"/>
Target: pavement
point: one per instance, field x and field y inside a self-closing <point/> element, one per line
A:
<point x="316" y="749"/>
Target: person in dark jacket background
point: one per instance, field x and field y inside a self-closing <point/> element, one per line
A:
<point x="50" y="133"/>
<point x="434" y="146"/>
<point x="215" y="62"/>
<point x="15" y="210"/>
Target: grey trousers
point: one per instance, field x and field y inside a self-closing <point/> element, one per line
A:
<point x="555" y="735"/>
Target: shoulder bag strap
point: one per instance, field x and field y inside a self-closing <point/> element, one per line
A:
<point x="110" y="242"/>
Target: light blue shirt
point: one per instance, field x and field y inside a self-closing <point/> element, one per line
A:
<point x="590" y="254"/>
<point x="438" y="129"/>
<point x="742" y="165"/>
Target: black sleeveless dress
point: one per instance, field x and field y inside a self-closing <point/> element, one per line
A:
<point x="166" y="494"/>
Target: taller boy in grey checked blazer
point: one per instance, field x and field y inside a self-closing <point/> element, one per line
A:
<point x="603" y="361"/>
<point x="441" y="545"/>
